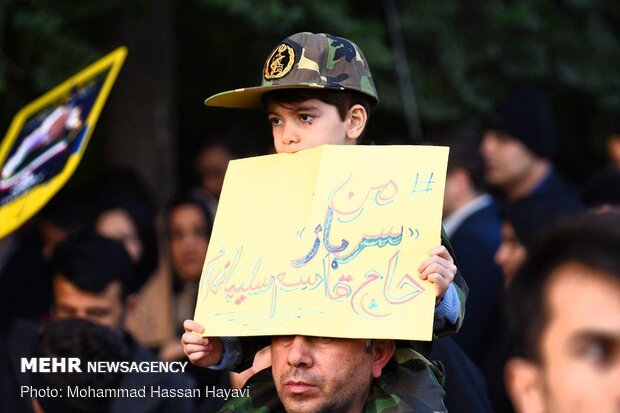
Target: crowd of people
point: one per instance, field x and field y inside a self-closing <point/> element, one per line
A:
<point x="527" y="276"/>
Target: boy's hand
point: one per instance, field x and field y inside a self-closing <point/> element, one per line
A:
<point x="201" y="351"/>
<point x="439" y="269"/>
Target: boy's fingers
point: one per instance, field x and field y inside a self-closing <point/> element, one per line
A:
<point x="197" y="348"/>
<point x="441" y="251"/>
<point x="191" y="325"/>
<point x="437" y="278"/>
<point x="433" y="267"/>
<point x="191" y="338"/>
<point x="197" y="356"/>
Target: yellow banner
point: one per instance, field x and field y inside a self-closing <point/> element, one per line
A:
<point x="325" y="242"/>
<point x="47" y="138"/>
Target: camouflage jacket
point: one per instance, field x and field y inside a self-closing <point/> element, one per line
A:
<point x="410" y="383"/>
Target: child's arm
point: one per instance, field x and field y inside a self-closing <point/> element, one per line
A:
<point x="451" y="287"/>
<point x="201" y="351"/>
<point x="439" y="269"/>
<point x="220" y="353"/>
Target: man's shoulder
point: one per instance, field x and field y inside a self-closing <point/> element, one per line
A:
<point x="414" y="381"/>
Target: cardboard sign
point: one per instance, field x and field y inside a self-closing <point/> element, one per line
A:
<point x="325" y="242"/>
<point x="47" y="138"/>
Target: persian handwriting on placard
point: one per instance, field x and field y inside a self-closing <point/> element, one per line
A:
<point x="379" y="240"/>
<point x="349" y="204"/>
<point x="370" y="292"/>
<point x="372" y="295"/>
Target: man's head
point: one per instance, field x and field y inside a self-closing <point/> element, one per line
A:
<point x="318" y="374"/>
<point x="210" y="163"/>
<point x="564" y="319"/>
<point x="518" y="142"/>
<point x="92" y="276"/>
<point x="90" y="342"/>
<point x="317" y="89"/>
<point x="465" y="178"/>
<point x="189" y="224"/>
<point x="511" y="252"/>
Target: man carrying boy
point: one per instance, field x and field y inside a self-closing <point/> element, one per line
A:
<point x="317" y="89"/>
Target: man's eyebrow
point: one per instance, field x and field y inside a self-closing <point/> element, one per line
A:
<point x="608" y="336"/>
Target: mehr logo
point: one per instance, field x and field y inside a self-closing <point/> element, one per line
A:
<point x="279" y="62"/>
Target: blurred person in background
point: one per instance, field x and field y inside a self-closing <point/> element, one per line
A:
<point x="125" y="211"/>
<point x="564" y="320"/>
<point x="188" y="226"/>
<point x="89" y="342"/>
<point x="210" y="164"/>
<point x="521" y="228"/>
<point x="92" y="279"/>
<point x="518" y="147"/>
<point x="472" y="222"/>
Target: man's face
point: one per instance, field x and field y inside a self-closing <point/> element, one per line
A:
<point x="579" y="370"/>
<point x="105" y="308"/>
<point x="304" y="125"/>
<point x="507" y="161"/>
<point x="117" y="224"/>
<point x="211" y="166"/>
<point x="188" y="240"/>
<point x="316" y="374"/>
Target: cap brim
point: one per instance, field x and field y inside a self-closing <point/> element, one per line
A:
<point x="250" y="98"/>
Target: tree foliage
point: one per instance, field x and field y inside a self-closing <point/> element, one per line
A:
<point x="462" y="54"/>
<point x="42" y="42"/>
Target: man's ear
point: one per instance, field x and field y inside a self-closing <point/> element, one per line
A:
<point x="356" y="119"/>
<point x="525" y="386"/>
<point x="382" y="352"/>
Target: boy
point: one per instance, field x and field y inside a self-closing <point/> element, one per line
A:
<point x="317" y="89"/>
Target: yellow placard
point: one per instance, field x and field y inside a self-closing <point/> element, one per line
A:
<point x="47" y="138"/>
<point x="325" y="242"/>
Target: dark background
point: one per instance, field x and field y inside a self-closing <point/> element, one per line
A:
<point x="461" y="57"/>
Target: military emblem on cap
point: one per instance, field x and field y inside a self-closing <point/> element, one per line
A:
<point x="306" y="61"/>
<point x="279" y="62"/>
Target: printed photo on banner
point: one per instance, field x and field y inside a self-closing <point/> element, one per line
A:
<point x="47" y="139"/>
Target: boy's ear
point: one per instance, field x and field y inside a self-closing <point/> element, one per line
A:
<point x="356" y="121"/>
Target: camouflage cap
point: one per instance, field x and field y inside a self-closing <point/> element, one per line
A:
<point x="306" y="61"/>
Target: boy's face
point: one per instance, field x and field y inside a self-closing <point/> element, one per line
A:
<point x="310" y="123"/>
